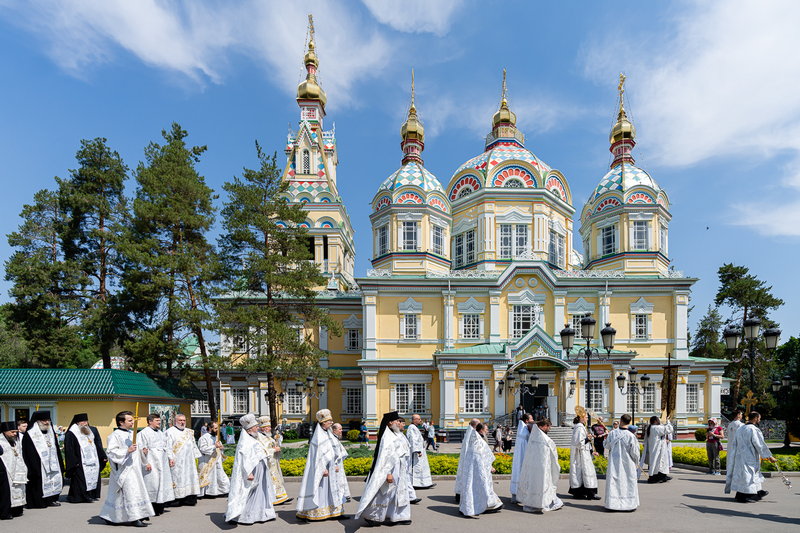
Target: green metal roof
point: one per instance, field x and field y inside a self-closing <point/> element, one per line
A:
<point x="66" y="382"/>
<point x="491" y="348"/>
<point x="708" y="360"/>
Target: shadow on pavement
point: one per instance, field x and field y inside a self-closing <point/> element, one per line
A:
<point x="585" y="506"/>
<point x="443" y="499"/>
<point x="720" y="481"/>
<point x="710" y="498"/>
<point x="447" y="510"/>
<point x="96" y="520"/>
<point x="740" y="514"/>
<point x="218" y="519"/>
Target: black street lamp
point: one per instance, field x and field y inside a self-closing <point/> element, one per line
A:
<point x="750" y="333"/>
<point x="633" y="387"/>
<point x="782" y="388"/>
<point x="587" y="332"/>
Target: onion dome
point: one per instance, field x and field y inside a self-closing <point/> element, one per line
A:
<point x="309" y="89"/>
<point x="504" y="115"/>
<point x="412" y="128"/>
<point x="623" y="178"/>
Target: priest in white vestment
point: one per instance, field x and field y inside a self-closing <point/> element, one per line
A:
<point x="272" y="449"/>
<point x="85" y="459"/>
<point x="321" y="495"/>
<point x="582" y="475"/>
<point x="213" y="479"/>
<point x="656" y="452"/>
<point x="15" y="470"/>
<point x="127" y="501"/>
<point x="43" y="458"/>
<point x="622" y="473"/>
<point x="523" y="433"/>
<point x="730" y="432"/>
<point x="420" y="470"/>
<point x="341" y="455"/>
<point x="537" y="490"/>
<point x="156" y="463"/>
<point x="251" y="495"/>
<point x="468" y="434"/>
<point x="386" y="495"/>
<point x="477" y="493"/>
<point x="744" y="462"/>
<point x="183" y="450"/>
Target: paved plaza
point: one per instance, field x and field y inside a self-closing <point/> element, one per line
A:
<point x="690" y="502"/>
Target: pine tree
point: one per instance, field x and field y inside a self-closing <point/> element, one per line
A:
<point x="269" y="280"/>
<point x="96" y="215"/>
<point x="706" y="342"/>
<point x="747" y="297"/>
<point x="172" y="262"/>
<point x="43" y="283"/>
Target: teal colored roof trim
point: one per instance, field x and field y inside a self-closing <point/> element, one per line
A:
<point x="83" y="382"/>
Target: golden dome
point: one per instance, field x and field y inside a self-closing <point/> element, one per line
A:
<point x="504" y="115"/>
<point x="623" y="129"/>
<point x="310" y="90"/>
<point x="412" y="128"/>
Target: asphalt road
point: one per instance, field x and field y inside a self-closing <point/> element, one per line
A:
<point x="690" y="502"/>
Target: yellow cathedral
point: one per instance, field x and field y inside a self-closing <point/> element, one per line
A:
<point x="475" y="278"/>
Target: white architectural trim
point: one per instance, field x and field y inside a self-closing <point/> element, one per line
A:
<point x="580" y="307"/>
<point x="471" y="306"/>
<point x="410" y="378"/>
<point x="642" y="307"/>
<point x="409" y="307"/>
<point x="474" y="374"/>
<point x="514" y="216"/>
<point x="352" y="322"/>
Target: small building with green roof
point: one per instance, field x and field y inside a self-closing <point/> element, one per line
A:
<point x="101" y="393"/>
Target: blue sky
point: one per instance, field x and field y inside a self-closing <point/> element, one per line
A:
<point x="712" y="89"/>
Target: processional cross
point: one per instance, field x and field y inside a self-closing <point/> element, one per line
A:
<point x="749" y="401"/>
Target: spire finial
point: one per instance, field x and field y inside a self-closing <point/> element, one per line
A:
<point x="504" y="91"/>
<point x="621" y="89"/>
<point x="623" y="129"/>
<point x="310" y="31"/>
<point x="412" y="88"/>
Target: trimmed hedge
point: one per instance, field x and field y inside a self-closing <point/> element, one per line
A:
<point x="700" y="434"/>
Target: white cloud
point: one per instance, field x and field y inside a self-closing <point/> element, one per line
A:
<point x="196" y="39"/>
<point x="415" y="16"/>
<point x="719" y="83"/>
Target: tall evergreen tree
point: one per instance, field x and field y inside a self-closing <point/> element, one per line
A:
<point x="96" y="215"/>
<point x="173" y="263"/>
<point x="43" y="283"/>
<point x="747" y="297"/>
<point x="269" y="287"/>
<point x="706" y="341"/>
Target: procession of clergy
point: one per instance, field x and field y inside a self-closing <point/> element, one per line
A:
<point x="154" y="469"/>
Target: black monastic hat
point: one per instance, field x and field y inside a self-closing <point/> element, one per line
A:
<point x="39" y="415"/>
<point x="80" y="417"/>
<point x="8" y="426"/>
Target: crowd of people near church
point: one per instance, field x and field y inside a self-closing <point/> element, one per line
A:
<point x="153" y="468"/>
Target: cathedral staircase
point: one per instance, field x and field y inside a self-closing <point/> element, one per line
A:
<point x="562" y="436"/>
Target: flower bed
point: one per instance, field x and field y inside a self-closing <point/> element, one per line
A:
<point x="697" y="457"/>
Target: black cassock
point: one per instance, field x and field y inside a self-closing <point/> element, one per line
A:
<point x="5" y="491"/>
<point x="33" y="490"/>
<point x="77" y="480"/>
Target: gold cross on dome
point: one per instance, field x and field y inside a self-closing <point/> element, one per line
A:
<point x="749" y="401"/>
<point x="621" y="86"/>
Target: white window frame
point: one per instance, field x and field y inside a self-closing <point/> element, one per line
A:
<point x="640" y="328"/>
<point x="693" y="397"/>
<point x="474" y="396"/>
<point x="639" y="308"/>
<point x="664" y="239"/>
<point x="437" y="239"/>
<point x="514" y="240"/>
<point x="293" y="401"/>
<point x="458" y="250"/>
<point x="352" y="401"/>
<point x="576" y="325"/>
<point x="521" y="313"/>
<point x="410" y="234"/>
<point x="596" y="391"/>
<point x="382" y="238"/>
<point x="470" y="326"/>
<point x="470" y="247"/>
<point x="609" y="240"/>
<point x="640" y="235"/>
<point x="306" y="161"/>
<point x="410" y="327"/>
<point x="410" y="397"/>
<point x="557" y="249"/>
<point x="649" y="398"/>
<point x="240" y="400"/>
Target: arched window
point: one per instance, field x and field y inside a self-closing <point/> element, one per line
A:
<point x="513" y="184"/>
<point x="306" y="162"/>
<point x="466" y="191"/>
